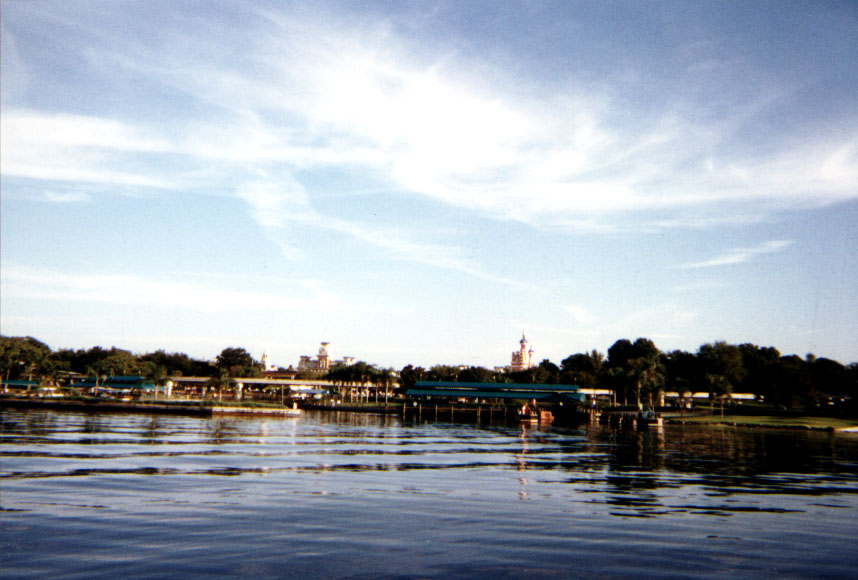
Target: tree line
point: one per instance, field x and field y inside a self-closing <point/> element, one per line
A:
<point x="638" y="373"/>
<point x="27" y="358"/>
<point x="359" y="374"/>
<point x="634" y="372"/>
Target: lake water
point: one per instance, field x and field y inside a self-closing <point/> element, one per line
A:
<point x="364" y="497"/>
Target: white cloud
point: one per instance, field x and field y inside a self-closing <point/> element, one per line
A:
<point x="581" y="316"/>
<point x="275" y="204"/>
<point x="667" y="323"/>
<point x="316" y="94"/>
<point x="740" y="255"/>
<point x="66" y="196"/>
<point x="76" y="148"/>
<point x="31" y="283"/>
<point x="278" y="204"/>
<point x="662" y="320"/>
<point x="37" y="129"/>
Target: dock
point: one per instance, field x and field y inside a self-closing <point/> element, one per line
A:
<point x="153" y="408"/>
<point x="630" y="419"/>
<point x="288" y="412"/>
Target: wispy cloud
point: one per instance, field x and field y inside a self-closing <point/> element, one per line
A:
<point x="310" y="94"/>
<point x="66" y="196"/>
<point x="580" y="315"/>
<point x="665" y="322"/>
<point x="432" y="123"/>
<point x="739" y="255"/>
<point x="281" y="203"/>
<point x="77" y="148"/>
<point x="32" y="283"/>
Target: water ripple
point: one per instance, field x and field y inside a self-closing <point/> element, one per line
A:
<point x="358" y="496"/>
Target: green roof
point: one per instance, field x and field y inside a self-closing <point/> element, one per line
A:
<point x="20" y="383"/>
<point x="522" y="391"/>
<point x="117" y="382"/>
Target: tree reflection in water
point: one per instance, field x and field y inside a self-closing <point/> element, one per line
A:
<point x="713" y="470"/>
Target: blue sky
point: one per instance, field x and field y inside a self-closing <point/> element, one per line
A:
<point x="420" y="182"/>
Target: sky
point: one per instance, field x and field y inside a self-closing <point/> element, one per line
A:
<point x="422" y="182"/>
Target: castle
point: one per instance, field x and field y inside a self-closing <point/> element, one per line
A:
<point x="323" y="361"/>
<point x="523" y="358"/>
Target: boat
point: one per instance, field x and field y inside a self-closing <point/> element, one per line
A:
<point x="649" y="419"/>
<point x="528" y="417"/>
<point x="535" y="416"/>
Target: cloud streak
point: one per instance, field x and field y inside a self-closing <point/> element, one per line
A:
<point x="429" y="123"/>
<point x="32" y="283"/>
<point x="281" y="204"/>
<point x="739" y="255"/>
<point x="77" y="148"/>
<point x="431" y="165"/>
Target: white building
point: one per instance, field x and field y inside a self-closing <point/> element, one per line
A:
<point x="266" y="362"/>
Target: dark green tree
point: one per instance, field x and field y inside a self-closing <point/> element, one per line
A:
<point x="408" y="377"/>
<point x="792" y="382"/>
<point x="443" y="373"/>
<point x="179" y="364"/>
<point x="830" y="378"/>
<point x="476" y="375"/>
<point x="119" y="362"/>
<point x="760" y="364"/>
<point x="646" y="378"/>
<point x="635" y="367"/>
<point x="382" y="380"/>
<point x="220" y="381"/>
<point x="550" y="372"/>
<point x="619" y="352"/>
<point x="22" y="357"/>
<point x="237" y="362"/>
<point x="581" y="369"/>
<point x="722" y="366"/>
<point x="682" y="373"/>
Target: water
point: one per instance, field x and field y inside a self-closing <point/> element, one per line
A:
<point x="360" y="496"/>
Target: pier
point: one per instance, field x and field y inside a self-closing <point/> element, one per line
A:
<point x="629" y="419"/>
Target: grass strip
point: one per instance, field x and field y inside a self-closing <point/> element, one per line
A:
<point x="830" y="423"/>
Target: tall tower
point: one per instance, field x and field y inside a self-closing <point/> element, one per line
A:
<point x="266" y="361"/>
<point x="523" y="359"/>
<point x="324" y="359"/>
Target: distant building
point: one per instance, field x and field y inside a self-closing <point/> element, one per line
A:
<point x="266" y="362"/>
<point x="523" y="358"/>
<point x="322" y="362"/>
<point x="273" y="371"/>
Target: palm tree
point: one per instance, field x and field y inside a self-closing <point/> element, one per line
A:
<point x="96" y="371"/>
<point x="723" y="363"/>
<point x="342" y="376"/>
<point x="596" y="360"/>
<point x="384" y="377"/>
<point x="615" y="379"/>
<point x="361" y="374"/>
<point x="647" y="376"/>
<point x="47" y="373"/>
<point x="719" y="387"/>
<point x="220" y="381"/>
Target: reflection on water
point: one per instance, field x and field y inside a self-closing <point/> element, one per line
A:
<point x="346" y="495"/>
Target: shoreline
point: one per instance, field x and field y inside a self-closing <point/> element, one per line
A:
<point x="830" y="424"/>
<point x="156" y="408"/>
<point x="108" y="406"/>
